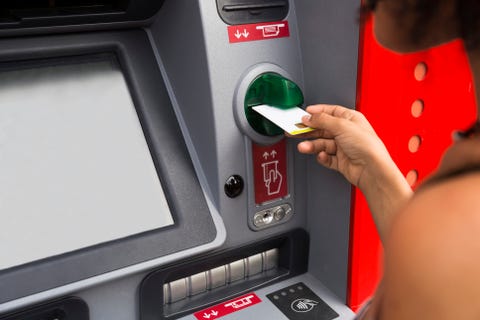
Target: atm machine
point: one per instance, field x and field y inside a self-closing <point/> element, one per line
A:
<point x="137" y="180"/>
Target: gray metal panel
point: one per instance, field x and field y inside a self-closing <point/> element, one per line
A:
<point x="329" y="40"/>
<point x="178" y="35"/>
<point x="204" y="70"/>
<point x="116" y="300"/>
<point x="60" y="275"/>
<point x="229" y="63"/>
<point x="267" y="310"/>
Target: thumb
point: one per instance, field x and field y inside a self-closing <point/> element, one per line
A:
<point x="323" y="121"/>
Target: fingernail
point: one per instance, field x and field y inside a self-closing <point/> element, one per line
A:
<point x="306" y="118"/>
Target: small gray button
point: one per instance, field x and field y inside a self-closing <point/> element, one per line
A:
<point x="267" y="217"/>
<point x="258" y="220"/>
<point x="216" y="277"/>
<point x="263" y="218"/>
<point x="288" y="210"/>
<point x="254" y="264"/>
<point x="279" y="213"/>
<point x="272" y="216"/>
<point x="178" y="290"/>
<point x="198" y="283"/>
<point x="270" y="259"/>
<point x="236" y="271"/>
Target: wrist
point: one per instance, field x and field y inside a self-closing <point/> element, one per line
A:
<point x="386" y="191"/>
<point x="383" y="175"/>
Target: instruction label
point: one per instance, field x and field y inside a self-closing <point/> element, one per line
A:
<point x="270" y="171"/>
<point x="222" y="309"/>
<point x="258" y="31"/>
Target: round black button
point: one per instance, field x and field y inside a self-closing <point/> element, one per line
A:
<point x="234" y="186"/>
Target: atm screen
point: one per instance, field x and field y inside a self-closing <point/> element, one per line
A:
<point x="94" y="168"/>
<point x="75" y="166"/>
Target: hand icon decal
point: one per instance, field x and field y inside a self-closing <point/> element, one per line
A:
<point x="272" y="177"/>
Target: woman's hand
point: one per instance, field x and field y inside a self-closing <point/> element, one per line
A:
<point x="345" y="141"/>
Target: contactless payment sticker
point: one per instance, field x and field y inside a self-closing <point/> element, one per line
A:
<point x="289" y="119"/>
<point x="298" y="302"/>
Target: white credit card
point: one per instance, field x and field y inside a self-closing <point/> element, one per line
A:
<point x="289" y="119"/>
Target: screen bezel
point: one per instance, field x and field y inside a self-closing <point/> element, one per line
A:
<point x="193" y="224"/>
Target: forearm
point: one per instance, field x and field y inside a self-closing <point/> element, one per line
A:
<point x="386" y="191"/>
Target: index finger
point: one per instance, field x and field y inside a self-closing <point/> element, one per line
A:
<point x="326" y="123"/>
<point x="340" y="112"/>
<point x="331" y="109"/>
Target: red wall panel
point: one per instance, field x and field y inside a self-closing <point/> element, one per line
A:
<point x="387" y="88"/>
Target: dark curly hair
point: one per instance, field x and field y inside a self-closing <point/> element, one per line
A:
<point x="467" y="11"/>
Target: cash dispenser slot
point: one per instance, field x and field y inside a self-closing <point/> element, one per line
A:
<point x="251" y="11"/>
<point x="194" y="285"/>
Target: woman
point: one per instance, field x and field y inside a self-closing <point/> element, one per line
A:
<point x="432" y="238"/>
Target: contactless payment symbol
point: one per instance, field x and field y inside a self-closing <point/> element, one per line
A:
<point x="299" y="302"/>
<point x="303" y="305"/>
